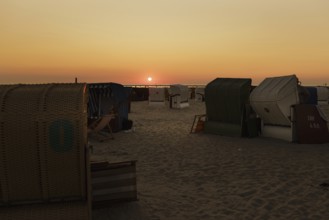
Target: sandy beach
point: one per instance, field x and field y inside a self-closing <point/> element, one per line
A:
<point x="204" y="176"/>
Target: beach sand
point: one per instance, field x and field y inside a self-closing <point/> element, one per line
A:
<point x="204" y="176"/>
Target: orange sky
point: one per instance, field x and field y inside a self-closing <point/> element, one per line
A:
<point x="174" y="41"/>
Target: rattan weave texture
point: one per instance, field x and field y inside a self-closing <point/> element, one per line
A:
<point x="43" y="134"/>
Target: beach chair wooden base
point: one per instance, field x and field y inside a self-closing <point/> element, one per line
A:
<point x="113" y="182"/>
<point x="75" y="210"/>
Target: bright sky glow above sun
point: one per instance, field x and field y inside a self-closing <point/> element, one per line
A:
<point x="179" y="41"/>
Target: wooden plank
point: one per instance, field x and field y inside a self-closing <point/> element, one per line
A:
<point x="113" y="182"/>
<point x="112" y="172"/>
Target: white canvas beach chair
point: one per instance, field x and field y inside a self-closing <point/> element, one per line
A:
<point x="272" y="100"/>
<point x="178" y="96"/>
<point x="157" y="96"/>
<point x="199" y="94"/>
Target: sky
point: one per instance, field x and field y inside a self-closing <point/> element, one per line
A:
<point x="172" y="41"/>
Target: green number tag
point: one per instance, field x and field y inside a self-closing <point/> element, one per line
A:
<point x="61" y="134"/>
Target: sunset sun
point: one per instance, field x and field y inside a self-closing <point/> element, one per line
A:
<point x="149" y="79"/>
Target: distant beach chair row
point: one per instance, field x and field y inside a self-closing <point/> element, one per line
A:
<point x="177" y="95"/>
<point x="146" y="92"/>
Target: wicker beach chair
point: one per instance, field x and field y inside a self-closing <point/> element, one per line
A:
<point x="44" y="162"/>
